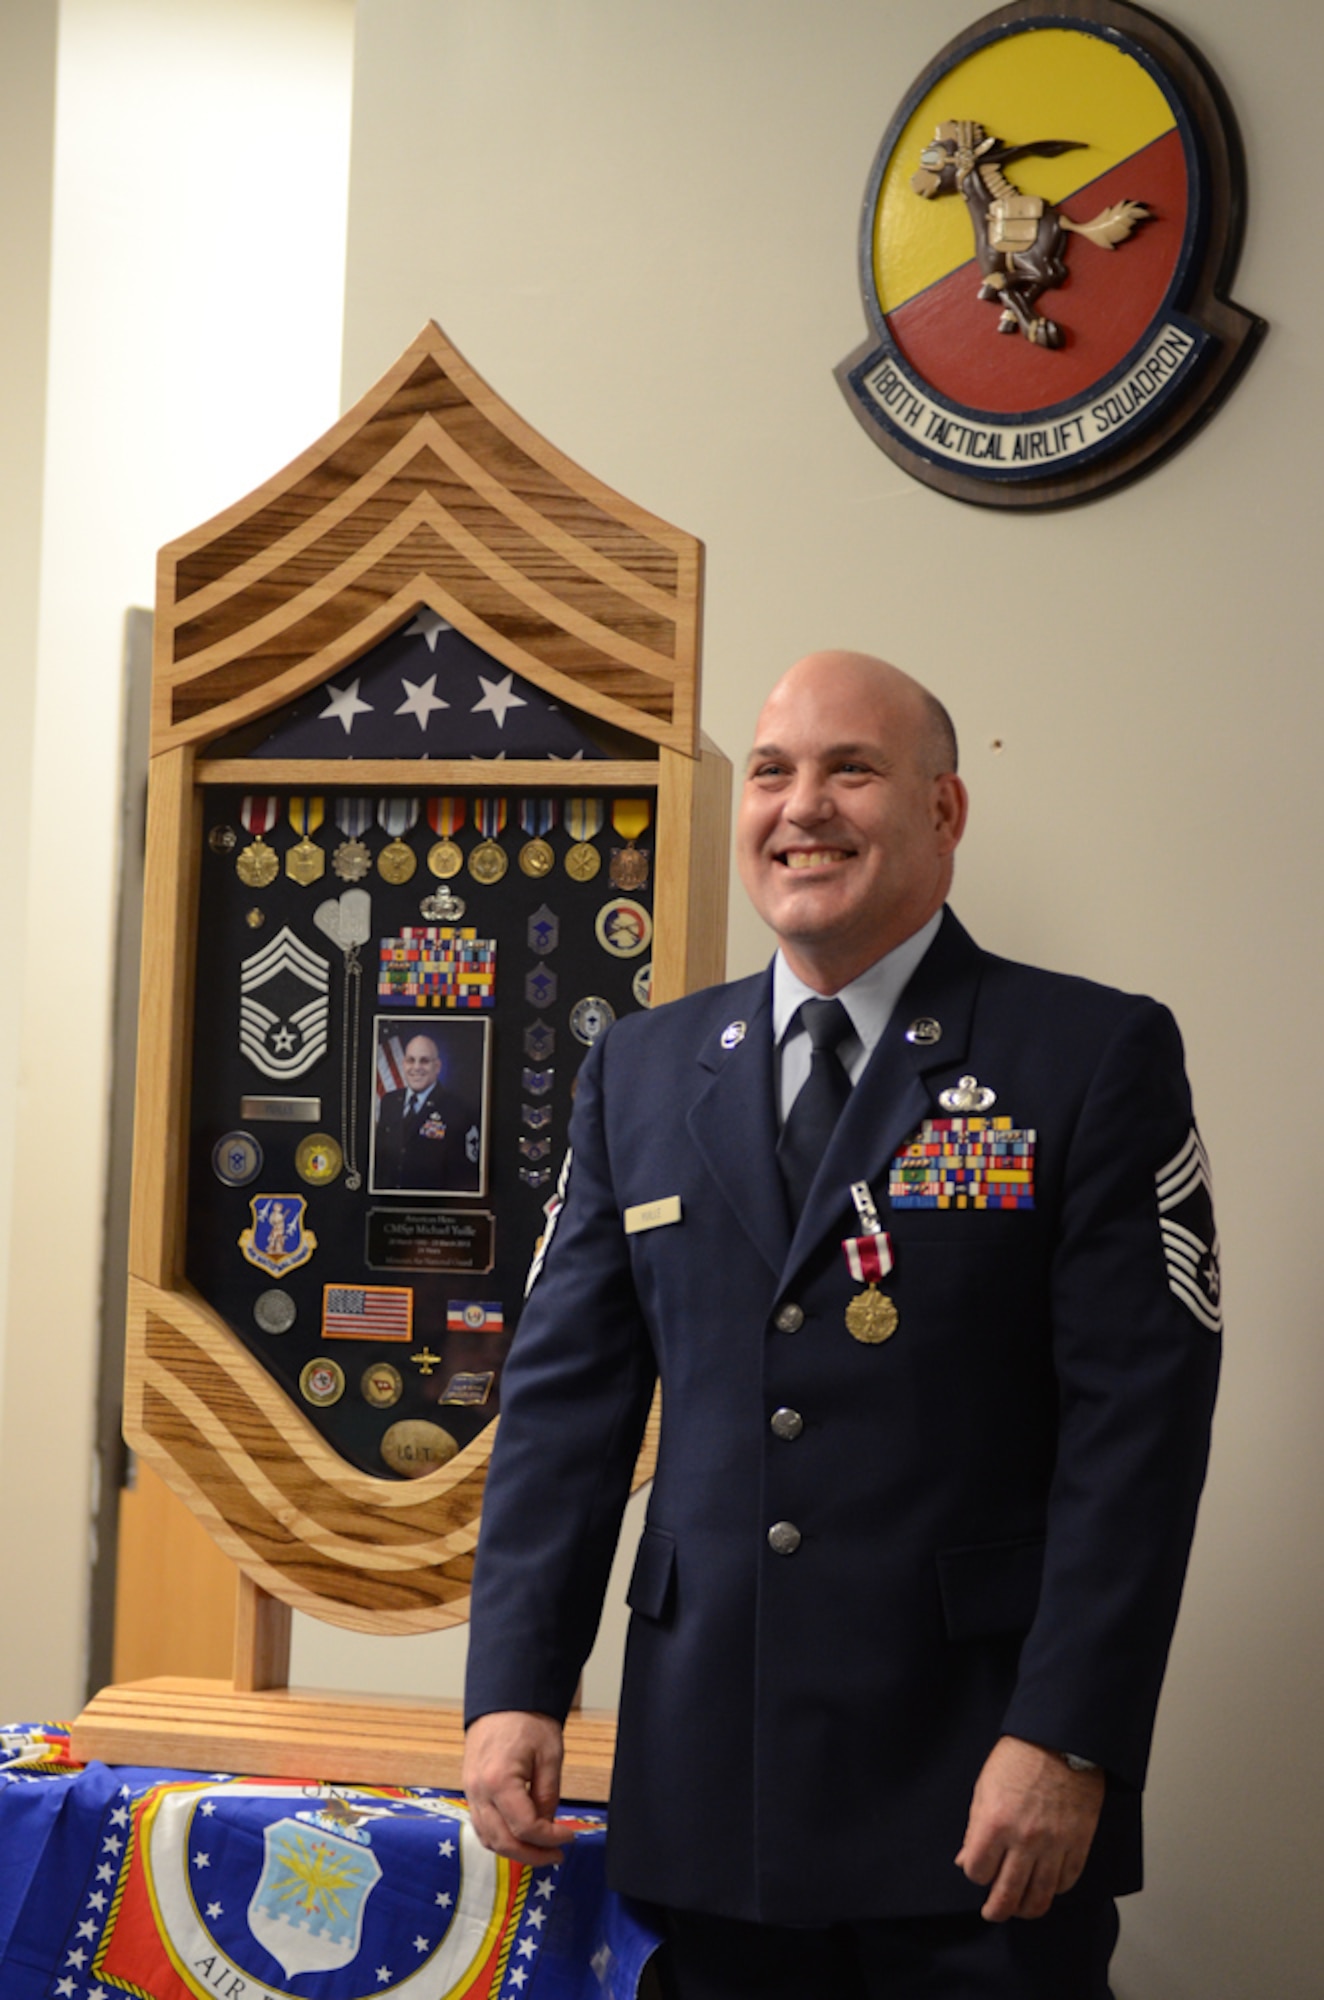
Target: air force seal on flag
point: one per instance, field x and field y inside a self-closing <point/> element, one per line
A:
<point x="1190" y="1237"/>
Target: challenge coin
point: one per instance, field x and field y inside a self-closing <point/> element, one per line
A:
<point x="381" y="1385"/>
<point x="590" y="1018"/>
<point x="222" y="840"/>
<point x="274" y="1311"/>
<point x="318" y="1159"/>
<point x="236" y="1159"/>
<point x="322" y="1382"/>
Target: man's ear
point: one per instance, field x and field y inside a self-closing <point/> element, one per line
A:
<point x="951" y="803"/>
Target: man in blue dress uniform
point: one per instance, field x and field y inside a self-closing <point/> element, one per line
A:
<point x="920" y="1244"/>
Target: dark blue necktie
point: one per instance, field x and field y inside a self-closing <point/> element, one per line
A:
<point x="820" y="1101"/>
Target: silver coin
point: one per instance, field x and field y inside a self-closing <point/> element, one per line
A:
<point x="274" y="1311"/>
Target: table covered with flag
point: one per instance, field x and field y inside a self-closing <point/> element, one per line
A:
<point x="172" y="1885"/>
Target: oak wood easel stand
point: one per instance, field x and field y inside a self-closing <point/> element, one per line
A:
<point x="429" y="495"/>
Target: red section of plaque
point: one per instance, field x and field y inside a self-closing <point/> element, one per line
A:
<point x="950" y="337"/>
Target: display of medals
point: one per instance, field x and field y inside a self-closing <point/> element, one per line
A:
<point x="537" y="817"/>
<point x="352" y="859"/>
<point x="397" y="861"/>
<point x="583" y="821"/>
<point x="629" y="864"/>
<point x="488" y="862"/>
<point x="256" y="865"/>
<point x="305" y="862"/>
<point x="575" y="958"/>
<point x="871" y="1317"/>
<point x="446" y="815"/>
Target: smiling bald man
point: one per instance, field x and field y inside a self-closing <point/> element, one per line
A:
<point x="920" y="1244"/>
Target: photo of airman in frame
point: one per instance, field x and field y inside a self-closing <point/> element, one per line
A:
<point x="429" y="1128"/>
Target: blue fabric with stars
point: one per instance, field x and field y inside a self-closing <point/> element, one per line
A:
<point x="425" y="691"/>
<point x="282" y="1890"/>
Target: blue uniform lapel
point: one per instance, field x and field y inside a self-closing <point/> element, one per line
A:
<point x="894" y="1094"/>
<point x="733" y="1123"/>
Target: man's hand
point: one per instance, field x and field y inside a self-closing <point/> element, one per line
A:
<point x="512" y="1779"/>
<point x="1031" y="1823"/>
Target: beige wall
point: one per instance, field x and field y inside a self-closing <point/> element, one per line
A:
<point x="191" y="265"/>
<point x="639" y="222"/>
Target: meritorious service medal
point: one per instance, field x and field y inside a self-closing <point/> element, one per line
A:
<point x="446" y="816"/>
<point x="488" y="862"/>
<point x="352" y="859"/>
<point x="629" y="864"/>
<point x="256" y="865"/>
<point x="871" y="1317"/>
<point x="583" y="820"/>
<point x="396" y="862"/>
<point x="537" y="817"/>
<point x="306" y="861"/>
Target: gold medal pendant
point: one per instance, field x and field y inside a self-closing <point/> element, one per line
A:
<point x="536" y="858"/>
<point x="445" y="859"/>
<point x="871" y="1317"/>
<point x="351" y="861"/>
<point x="582" y="861"/>
<point x="488" y="862"/>
<point x="396" y="862"/>
<point x="256" y="865"/>
<point x="305" y="862"/>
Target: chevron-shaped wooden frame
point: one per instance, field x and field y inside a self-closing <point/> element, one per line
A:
<point x="432" y="493"/>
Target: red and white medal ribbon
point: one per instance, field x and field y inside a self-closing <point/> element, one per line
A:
<point x="868" y="1258"/>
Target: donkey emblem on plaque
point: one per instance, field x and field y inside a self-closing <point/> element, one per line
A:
<point x="1020" y="239"/>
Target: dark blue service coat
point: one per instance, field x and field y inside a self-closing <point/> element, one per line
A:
<point x="995" y="1505"/>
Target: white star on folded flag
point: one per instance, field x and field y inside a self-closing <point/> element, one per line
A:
<point x="421" y="700"/>
<point x="498" y="699"/>
<point x="428" y="625"/>
<point x="344" y="705"/>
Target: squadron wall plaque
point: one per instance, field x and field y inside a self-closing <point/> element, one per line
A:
<point x="1048" y="233"/>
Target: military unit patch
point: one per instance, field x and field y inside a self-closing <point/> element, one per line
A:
<point x="1189" y="1233"/>
<point x="437" y="966"/>
<point x="965" y="1163"/>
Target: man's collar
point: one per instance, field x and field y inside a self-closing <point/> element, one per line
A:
<point x="868" y="999"/>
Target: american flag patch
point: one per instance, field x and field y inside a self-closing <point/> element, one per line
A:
<point x="474" y="1316"/>
<point x="367" y="1312"/>
<point x="965" y="1163"/>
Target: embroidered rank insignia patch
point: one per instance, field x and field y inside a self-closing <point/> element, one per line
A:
<point x="1190" y="1236"/>
<point x="964" y="1163"/>
<point x="437" y="966"/>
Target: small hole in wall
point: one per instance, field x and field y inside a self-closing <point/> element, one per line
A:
<point x="996" y="745"/>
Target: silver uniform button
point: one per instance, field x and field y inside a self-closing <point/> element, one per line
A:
<point x="783" y="1538"/>
<point x="787" y="1424"/>
<point x="790" y="1318"/>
